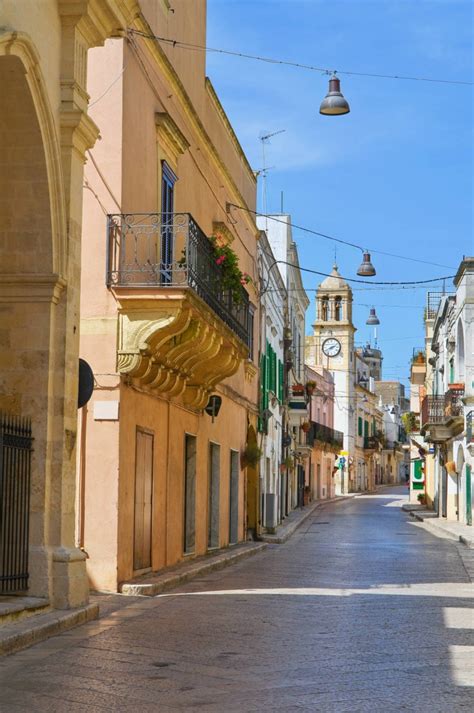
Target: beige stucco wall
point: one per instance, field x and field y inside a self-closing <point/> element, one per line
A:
<point x="127" y="91"/>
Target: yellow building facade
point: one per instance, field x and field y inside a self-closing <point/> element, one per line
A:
<point x="45" y="132"/>
<point x="167" y="326"/>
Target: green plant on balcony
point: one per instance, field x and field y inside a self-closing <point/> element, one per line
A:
<point x="410" y="422"/>
<point x="232" y="278"/>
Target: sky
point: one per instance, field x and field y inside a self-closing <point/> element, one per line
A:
<point x="393" y="175"/>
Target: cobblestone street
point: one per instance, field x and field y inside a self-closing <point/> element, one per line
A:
<point x="351" y="614"/>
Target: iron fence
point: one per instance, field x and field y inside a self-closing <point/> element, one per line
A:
<point x="166" y="250"/>
<point x="15" y="470"/>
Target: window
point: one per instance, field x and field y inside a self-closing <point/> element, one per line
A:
<point x="324" y="309"/>
<point x="168" y="179"/>
<point x="359" y="428"/>
<point x="337" y="309"/>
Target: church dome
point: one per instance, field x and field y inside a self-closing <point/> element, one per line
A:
<point x="334" y="281"/>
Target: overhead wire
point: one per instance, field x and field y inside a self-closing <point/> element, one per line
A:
<point x="289" y="63"/>
<point x="334" y="239"/>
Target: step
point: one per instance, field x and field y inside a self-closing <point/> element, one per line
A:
<point x="14" y="608"/>
<point x="149" y="585"/>
<point x="18" y="635"/>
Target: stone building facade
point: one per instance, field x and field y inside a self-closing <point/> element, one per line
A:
<point x="170" y="332"/>
<point x="45" y="131"/>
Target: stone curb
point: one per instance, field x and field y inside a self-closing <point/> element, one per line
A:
<point x="290" y="528"/>
<point x="163" y="582"/>
<point x="426" y="518"/>
<point x="20" y="635"/>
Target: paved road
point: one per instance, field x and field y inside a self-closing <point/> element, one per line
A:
<point x="362" y="610"/>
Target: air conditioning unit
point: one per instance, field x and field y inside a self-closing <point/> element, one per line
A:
<point x="270" y="510"/>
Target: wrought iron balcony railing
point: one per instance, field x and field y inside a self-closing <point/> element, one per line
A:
<point x="371" y="443"/>
<point x="169" y="250"/>
<point x="438" y="410"/>
<point x="324" y="434"/>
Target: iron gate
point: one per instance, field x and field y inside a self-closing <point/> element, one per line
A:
<point x="15" y="469"/>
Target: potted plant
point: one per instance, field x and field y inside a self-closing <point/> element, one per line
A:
<point x="297" y="389"/>
<point x="306" y="426"/>
<point x="310" y="387"/>
<point x="251" y="455"/>
<point x="306" y="495"/>
<point x="421" y="498"/>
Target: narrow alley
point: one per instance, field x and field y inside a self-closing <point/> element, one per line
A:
<point x="351" y="614"/>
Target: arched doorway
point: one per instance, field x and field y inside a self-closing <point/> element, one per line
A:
<point x="32" y="316"/>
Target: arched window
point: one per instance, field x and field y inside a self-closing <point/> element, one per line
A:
<point x="325" y="309"/>
<point x="338" y="309"/>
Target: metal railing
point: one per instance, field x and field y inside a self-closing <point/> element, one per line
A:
<point x="166" y="250"/>
<point x="433" y="300"/>
<point x="15" y="470"/>
<point x="324" y="434"/>
<point x="440" y="409"/>
<point x="370" y="443"/>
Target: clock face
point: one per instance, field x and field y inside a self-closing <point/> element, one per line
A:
<point x="331" y="347"/>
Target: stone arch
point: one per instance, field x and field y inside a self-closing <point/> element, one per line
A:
<point x="32" y="301"/>
<point x="30" y="166"/>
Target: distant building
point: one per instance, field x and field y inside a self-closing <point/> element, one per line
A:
<point x="285" y="251"/>
<point x="448" y="407"/>
<point x="331" y="346"/>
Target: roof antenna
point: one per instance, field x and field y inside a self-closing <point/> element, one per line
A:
<point x="264" y="138"/>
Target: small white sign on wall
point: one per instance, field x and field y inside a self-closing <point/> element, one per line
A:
<point x="106" y="411"/>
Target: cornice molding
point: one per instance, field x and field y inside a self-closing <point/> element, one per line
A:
<point x="31" y="288"/>
<point x="170" y="135"/>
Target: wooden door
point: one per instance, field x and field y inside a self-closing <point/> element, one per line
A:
<point x="143" y="500"/>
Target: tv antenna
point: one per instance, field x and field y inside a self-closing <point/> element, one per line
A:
<point x="265" y="139"/>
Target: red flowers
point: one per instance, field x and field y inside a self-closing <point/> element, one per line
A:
<point x="220" y="259"/>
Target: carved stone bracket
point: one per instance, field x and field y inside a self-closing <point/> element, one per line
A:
<point x="172" y="343"/>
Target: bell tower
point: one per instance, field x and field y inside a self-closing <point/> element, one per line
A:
<point x="331" y="346"/>
<point x="332" y="343"/>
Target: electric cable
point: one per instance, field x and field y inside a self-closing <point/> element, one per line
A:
<point x="334" y="239"/>
<point x="289" y="63"/>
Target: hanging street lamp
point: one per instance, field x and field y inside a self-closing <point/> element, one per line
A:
<point x="372" y="319"/>
<point x="334" y="103"/>
<point x="366" y="269"/>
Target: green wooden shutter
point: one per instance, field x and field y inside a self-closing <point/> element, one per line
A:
<point x="366" y="429"/>
<point x="359" y="427"/>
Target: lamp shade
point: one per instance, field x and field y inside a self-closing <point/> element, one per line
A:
<point x="373" y="319"/>
<point x="334" y="102"/>
<point x="366" y="269"/>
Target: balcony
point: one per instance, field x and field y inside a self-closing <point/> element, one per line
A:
<point x="371" y="443"/>
<point x="442" y="417"/>
<point x="180" y="330"/>
<point x="319" y="433"/>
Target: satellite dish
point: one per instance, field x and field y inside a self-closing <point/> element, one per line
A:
<point x="86" y="383"/>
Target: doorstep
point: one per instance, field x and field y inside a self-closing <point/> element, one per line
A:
<point x="296" y="518"/>
<point x="33" y="629"/>
<point x="440" y="526"/>
<point x="148" y="585"/>
<point x="14" y="608"/>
